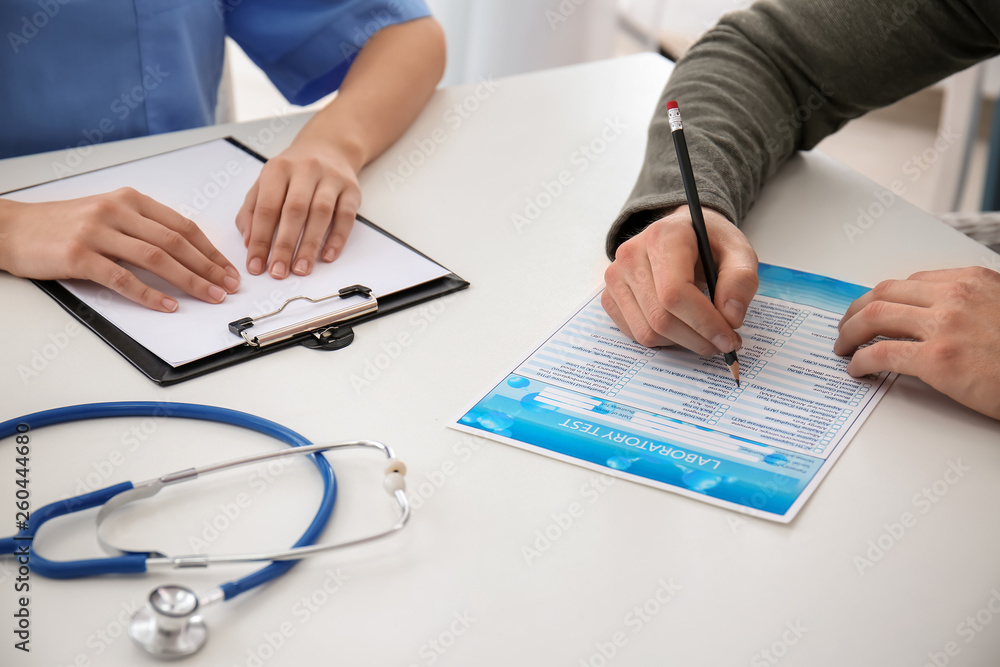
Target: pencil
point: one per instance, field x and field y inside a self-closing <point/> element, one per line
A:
<point x="697" y="219"/>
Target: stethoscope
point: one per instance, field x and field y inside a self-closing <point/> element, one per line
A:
<point x="171" y="624"/>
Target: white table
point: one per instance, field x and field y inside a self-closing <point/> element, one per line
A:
<point x="454" y="587"/>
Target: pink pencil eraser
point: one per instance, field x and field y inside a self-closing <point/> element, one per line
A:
<point x="671" y="105"/>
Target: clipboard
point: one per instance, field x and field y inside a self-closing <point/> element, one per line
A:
<point x="329" y="327"/>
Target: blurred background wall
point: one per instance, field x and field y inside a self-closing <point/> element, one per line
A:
<point x="508" y="37"/>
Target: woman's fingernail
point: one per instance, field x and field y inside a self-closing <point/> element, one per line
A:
<point x="723" y="343"/>
<point x="302" y="267"/>
<point x="234" y="272"/>
<point x="329" y="254"/>
<point x="255" y="266"/>
<point x="278" y="270"/>
<point x="169" y="304"/>
<point x="216" y="293"/>
<point x="232" y="284"/>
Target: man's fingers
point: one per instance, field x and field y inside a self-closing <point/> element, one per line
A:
<point x="615" y="313"/>
<point x="116" y="277"/>
<point x="881" y="318"/>
<point x="686" y="316"/>
<point x="633" y="322"/>
<point x="737" y="283"/>
<point x="656" y="269"/>
<point x="647" y="322"/>
<point x="694" y="321"/>
<point x="272" y="186"/>
<point x="343" y="222"/>
<point x="896" y="356"/>
<point x="940" y="275"/>
<point x="907" y="292"/>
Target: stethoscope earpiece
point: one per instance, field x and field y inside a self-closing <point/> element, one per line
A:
<point x="169" y="626"/>
<point x="395" y="476"/>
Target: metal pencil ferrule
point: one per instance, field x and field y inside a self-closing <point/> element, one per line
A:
<point x="674" y="116"/>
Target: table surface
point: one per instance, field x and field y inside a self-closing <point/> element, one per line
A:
<point x="639" y="575"/>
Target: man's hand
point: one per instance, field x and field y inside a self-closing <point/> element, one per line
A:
<point x="84" y="238"/>
<point x="653" y="292"/>
<point x="301" y="208"/>
<point x="953" y="319"/>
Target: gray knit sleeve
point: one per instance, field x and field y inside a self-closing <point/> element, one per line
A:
<point x="783" y="74"/>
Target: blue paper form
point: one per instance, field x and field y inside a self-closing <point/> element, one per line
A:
<point x="673" y="419"/>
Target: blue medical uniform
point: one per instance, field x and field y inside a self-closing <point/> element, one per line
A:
<point x="79" y="72"/>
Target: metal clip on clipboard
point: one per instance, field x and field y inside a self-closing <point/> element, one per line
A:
<point x="325" y="336"/>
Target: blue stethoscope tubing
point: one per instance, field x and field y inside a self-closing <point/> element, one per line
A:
<point x="136" y="562"/>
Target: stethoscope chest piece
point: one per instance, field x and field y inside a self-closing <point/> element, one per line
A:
<point x="169" y="626"/>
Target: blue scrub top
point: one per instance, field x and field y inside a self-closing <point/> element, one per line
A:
<point x="79" y="72"/>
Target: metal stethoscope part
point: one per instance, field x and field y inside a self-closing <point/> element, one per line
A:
<point x="171" y="625"/>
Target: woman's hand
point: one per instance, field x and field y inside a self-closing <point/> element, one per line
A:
<point x="302" y="207"/>
<point x="85" y="238"/>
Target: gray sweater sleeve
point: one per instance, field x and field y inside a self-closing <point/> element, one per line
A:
<point x="782" y="75"/>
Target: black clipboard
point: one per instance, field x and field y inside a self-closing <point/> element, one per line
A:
<point x="331" y="336"/>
